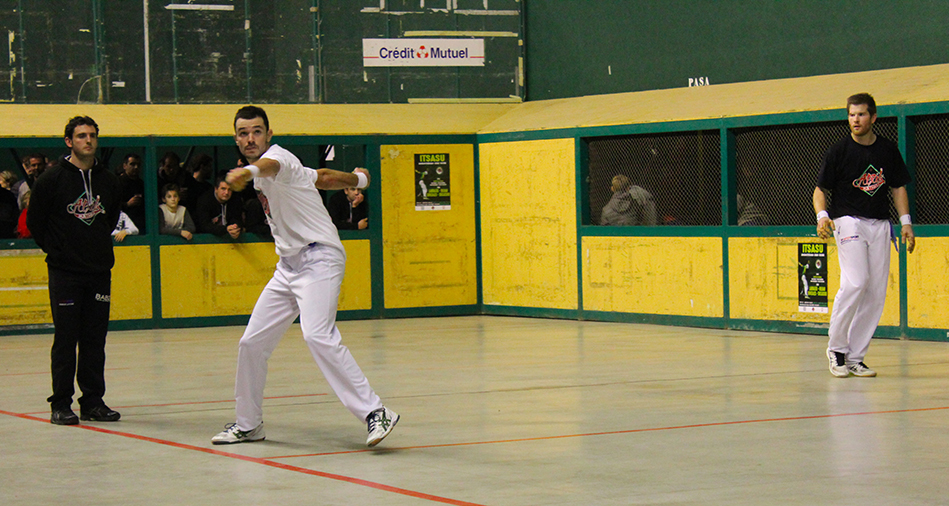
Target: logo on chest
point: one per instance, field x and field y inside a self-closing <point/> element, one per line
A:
<point x="870" y="181"/>
<point x="86" y="209"/>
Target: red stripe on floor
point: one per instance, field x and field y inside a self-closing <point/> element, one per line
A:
<point x="257" y="460"/>
<point x="608" y="433"/>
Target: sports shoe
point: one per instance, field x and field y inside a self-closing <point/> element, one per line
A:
<point x="64" y="417"/>
<point x="860" y="369"/>
<point x="231" y="434"/>
<point x="381" y="422"/>
<point x="838" y="364"/>
<point x="99" y="414"/>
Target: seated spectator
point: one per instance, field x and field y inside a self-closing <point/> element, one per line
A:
<point x="349" y="209"/>
<point x="33" y="166"/>
<point x="22" y="231"/>
<point x="749" y="214"/>
<point x="124" y="227"/>
<point x="198" y="179"/>
<point x="132" y="190"/>
<point x="220" y="212"/>
<point x="630" y="205"/>
<point x="8" y="181"/>
<point x="174" y="219"/>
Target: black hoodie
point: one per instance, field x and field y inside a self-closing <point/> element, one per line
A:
<point x="73" y="230"/>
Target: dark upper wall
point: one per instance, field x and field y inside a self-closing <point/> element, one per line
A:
<point x="580" y="47"/>
<point x="61" y="51"/>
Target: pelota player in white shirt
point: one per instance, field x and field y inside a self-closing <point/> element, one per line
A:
<point x="306" y="282"/>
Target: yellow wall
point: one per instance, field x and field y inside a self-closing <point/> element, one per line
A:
<point x="927" y="283"/>
<point x="763" y="280"/>
<point x="429" y="257"/>
<point x="24" y="286"/>
<point x="132" y="284"/>
<point x="529" y="223"/>
<point x="653" y="275"/>
<point x="226" y="279"/>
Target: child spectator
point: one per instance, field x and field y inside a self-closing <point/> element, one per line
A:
<point x="124" y="227"/>
<point x="174" y="219"/>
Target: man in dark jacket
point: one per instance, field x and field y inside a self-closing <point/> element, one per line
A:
<point x="73" y="209"/>
<point x="220" y="212"/>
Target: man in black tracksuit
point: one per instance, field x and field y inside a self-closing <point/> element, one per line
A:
<point x="73" y="209"/>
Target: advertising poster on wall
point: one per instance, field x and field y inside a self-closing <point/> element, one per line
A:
<point x="812" y="279"/>
<point x="432" y="182"/>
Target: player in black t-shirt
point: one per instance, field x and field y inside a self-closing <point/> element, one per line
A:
<point x="858" y="171"/>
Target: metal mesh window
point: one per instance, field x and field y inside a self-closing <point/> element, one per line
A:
<point x="681" y="171"/>
<point x="777" y="166"/>
<point x="932" y="165"/>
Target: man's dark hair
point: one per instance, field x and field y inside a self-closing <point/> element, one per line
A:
<point x="863" y="99"/>
<point x="251" y="112"/>
<point x="80" y="120"/>
<point x="133" y="156"/>
<point x="220" y="178"/>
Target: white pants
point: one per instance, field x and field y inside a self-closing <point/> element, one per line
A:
<point x="306" y="284"/>
<point x="863" y="249"/>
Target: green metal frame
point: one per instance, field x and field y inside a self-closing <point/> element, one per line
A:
<point x="904" y="113"/>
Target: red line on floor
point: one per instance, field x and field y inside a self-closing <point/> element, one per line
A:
<point x="615" y="432"/>
<point x="257" y="460"/>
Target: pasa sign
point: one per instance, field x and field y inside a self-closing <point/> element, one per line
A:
<point x="423" y="52"/>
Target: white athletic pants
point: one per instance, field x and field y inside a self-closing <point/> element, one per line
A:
<point x="306" y="284"/>
<point x="863" y="249"/>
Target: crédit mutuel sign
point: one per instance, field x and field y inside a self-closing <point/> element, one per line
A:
<point x="423" y="52"/>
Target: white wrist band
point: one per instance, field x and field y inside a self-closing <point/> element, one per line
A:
<point x="254" y="170"/>
<point x="822" y="214"/>
<point x="905" y="220"/>
<point x="363" y="180"/>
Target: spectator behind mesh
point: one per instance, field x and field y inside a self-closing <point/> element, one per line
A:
<point x="349" y="209"/>
<point x="630" y="205"/>
<point x="220" y="212"/>
<point x="8" y="181"/>
<point x="33" y="166"/>
<point x="132" y="189"/>
<point x="200" y="175"/>
<point x="174" y="219"/>
<point x="749" y="214"/>
<point x="169" y="171"/>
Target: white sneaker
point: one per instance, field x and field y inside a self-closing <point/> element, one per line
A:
<point x="231" y="434"/>
<point x="381" y="422"/>
<point x="860" y="369"/>
<point x="838" y="364"/>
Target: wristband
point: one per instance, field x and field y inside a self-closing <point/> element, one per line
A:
<point x="822" y="214"/>
<point x="254" y="170"/>
<point x="363" y="180"/>
<point x="905" y="220"/>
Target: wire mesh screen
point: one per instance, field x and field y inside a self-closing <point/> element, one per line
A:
<point x="679" y="173"/>
<point x="776" y="169"/>
<point x="932" y="165"/>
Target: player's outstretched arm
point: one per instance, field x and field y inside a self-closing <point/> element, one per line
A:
<point x="825" y="226"/>
<point x="238" y="178"/>
<point x="329" y="179"/>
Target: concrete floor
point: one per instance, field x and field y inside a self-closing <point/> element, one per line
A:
<point x="499" y="411"/>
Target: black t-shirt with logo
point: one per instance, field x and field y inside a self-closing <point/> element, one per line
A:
<point x="860" y="177"/>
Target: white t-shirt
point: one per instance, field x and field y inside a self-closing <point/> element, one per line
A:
<point x="293" y="205"/>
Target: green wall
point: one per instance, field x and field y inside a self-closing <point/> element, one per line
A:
<point x="577" y="47"/>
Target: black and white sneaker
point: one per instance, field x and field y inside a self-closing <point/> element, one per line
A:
<point x="838" y="364"/>
<point x="860" y="369"/>
<point x="232" y="434"/>
<point x="381" y="422"/>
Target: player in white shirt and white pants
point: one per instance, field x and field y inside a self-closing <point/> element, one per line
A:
<point x="306" y="282"/>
